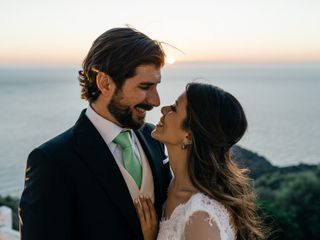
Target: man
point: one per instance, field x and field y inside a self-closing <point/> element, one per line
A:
<point x="82" y="183"/>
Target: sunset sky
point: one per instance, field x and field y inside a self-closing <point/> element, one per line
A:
<point x="62" y="31"/>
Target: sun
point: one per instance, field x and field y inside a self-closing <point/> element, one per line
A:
<point x="170" y="60"/>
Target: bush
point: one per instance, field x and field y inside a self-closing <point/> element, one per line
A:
<point x="290" y="203"/>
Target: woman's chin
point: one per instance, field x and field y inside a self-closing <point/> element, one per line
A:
<point x="155" y="135"/>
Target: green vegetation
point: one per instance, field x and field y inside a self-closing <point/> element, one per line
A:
<point x="290" y="202"/>
<point x="288" y="197"/>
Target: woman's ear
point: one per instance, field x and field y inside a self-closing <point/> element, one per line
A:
<point x="188" y="139"/>
<point x="104" y="83"/>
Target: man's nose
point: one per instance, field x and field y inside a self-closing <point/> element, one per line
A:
<point x="153" y="98"/>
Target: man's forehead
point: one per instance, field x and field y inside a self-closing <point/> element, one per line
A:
<point x="147" y="69"/>
<point x="148" y="74"/>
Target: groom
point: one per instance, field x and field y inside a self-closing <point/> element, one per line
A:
<point x="81" y="184"/>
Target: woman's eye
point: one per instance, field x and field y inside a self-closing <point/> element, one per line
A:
<point x="173" y="108"/>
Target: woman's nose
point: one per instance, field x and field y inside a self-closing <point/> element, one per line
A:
<point x="165" y="109"/>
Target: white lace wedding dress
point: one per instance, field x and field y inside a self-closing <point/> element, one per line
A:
<point x="200" y="217"/>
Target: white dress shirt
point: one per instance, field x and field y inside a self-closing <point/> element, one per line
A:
<point x="108" y="131"/>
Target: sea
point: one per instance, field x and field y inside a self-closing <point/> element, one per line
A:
<point x="281" y="101"/>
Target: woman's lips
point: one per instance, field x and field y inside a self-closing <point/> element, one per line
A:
<point x="160" y="123"/>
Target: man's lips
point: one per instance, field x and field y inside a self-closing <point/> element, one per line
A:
<point x="143" y="107"/>
<point x="140" y="110"/>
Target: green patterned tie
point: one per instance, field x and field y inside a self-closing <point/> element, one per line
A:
<point x="130" y="160"/>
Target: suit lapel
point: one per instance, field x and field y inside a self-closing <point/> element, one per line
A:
<point x="95" y="153"/>
<point x="154" y="160"/>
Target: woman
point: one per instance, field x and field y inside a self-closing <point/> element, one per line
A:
<point x="209" y="196"/>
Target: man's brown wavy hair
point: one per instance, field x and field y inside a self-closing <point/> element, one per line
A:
<point x="118" y="52"/>
<point x="216" y="121"/>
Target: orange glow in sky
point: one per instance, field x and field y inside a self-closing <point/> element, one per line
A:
<point x="40" y="32"/>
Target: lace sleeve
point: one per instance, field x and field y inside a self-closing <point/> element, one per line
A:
<point x="201" y="227"/>
<point x="199" y="218"/>
<point x="206" y="218"/>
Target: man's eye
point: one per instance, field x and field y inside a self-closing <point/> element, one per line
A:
<point x="173" y="108"/>
<point x="143" y="87"/>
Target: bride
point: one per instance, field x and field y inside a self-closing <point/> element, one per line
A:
<point x="209" y="196"/>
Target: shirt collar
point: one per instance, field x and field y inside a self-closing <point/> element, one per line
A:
<point x="107" y="129"/>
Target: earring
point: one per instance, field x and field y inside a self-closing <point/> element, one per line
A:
<point x="183" y="146"/>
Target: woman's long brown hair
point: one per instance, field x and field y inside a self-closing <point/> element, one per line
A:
<point x="216" y="121"/>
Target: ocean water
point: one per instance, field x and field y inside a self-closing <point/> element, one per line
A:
<point x="281" y="102"/>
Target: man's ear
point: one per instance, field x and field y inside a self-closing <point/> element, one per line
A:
<point x="104" y="83"/>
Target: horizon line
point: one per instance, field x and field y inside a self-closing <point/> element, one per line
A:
<point x="178" y="62"/>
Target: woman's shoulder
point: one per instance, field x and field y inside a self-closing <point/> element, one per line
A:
<point x="214" y="211"/>
<point x="204" y="201"/>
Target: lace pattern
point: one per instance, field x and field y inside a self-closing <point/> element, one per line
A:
<point x="174" y="227"/>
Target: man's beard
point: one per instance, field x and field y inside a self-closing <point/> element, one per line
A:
<point x="123" y="114"/>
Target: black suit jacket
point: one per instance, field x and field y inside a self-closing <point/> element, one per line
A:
<point x="75" y="190"/>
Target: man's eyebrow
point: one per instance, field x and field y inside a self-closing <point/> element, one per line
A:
<point x="149" y="83"/>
